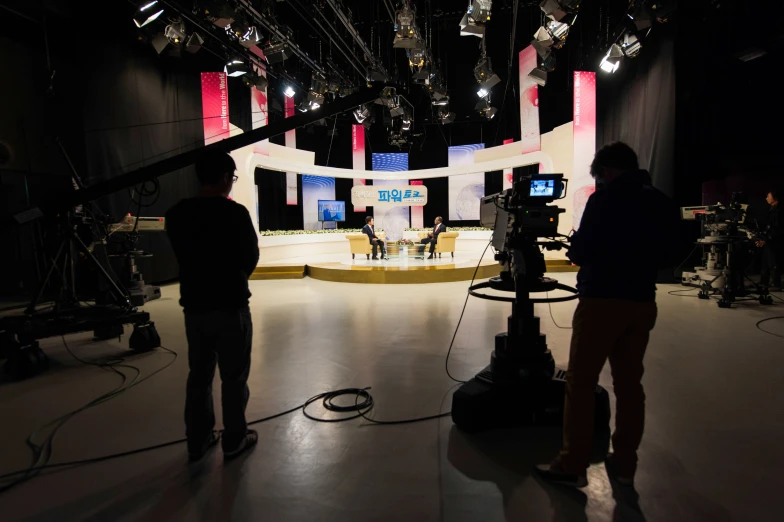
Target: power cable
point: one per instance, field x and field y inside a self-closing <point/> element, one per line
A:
<point x="550" y="306"/>
<point x="465" y="303"/>
<point x="766" y="320"/>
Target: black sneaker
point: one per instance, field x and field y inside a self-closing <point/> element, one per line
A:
<point x="555" y="475"/>
<point x="250" y="440"/>
<point x="195" y="455"/>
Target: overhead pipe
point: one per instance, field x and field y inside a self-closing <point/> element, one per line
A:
<point x="357" y="38"/>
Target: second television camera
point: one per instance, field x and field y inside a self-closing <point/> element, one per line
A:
<point x="521" y="386"/>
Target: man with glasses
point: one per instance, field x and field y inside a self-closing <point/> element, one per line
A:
<point x="217" y="249"/>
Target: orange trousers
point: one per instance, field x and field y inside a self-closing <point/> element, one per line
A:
<point x="603" y="329"/>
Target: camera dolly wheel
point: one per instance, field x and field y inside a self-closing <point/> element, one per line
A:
<point x="703" y="295"/>
<point x="724" y="303"/>
<point x="766" y="299"/>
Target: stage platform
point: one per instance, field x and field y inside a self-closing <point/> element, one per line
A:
<point x="342" y="268"/>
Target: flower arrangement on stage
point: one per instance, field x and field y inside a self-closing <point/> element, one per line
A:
<point x="405" y="242"/>
<point x="451" y="229"/>
<point x="299" y="232"/>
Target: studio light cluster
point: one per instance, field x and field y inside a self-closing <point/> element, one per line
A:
<point x="474" y="23"/>
<point x="636" y="27"/>
<point x="562" y="15"/>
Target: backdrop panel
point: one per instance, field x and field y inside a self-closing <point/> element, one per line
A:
<point x="465" y="190"/>
<point x="315" y="188"/>
<point x="392" y="219"/>
<point x="582" y="184"/>
<point x="358" y="156"/>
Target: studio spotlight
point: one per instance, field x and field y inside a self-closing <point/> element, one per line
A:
<point x="194" y="43"/>
<point x="559" y="10"/>
<point x="558" y="32"/>
<point x="405" y="126"/>
<point x="612" y="60"/>
<point x="222" y="15"/>
<point x="277" y="52"/>
<point x="159" y="42"/>
<point x="406" y="32"/>
<point x="440" y="103"/>
<point x="147" y="13"/>
<point x="444" y="116"/>
<point x="548" y="64"/>
<point x="631" y="45"/>
<point x="362" y="113"/>
<point x="475" y="18"/>
<point x="175" y="32"/>
<point x="236" y="67"/>
<point x="539" y="76"/>
<point x="482" y="93"/>
<point x="642" y="18"/>
<point x="289" y="91"/>
<point x="250" y="38"/>
<point x="255" y="80"/>
<point x="484" y="75"/>
<point x="485" y="109"/>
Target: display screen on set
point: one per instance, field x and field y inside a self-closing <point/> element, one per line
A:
<point x="331" y="210"/>
<point x="542" y="187"/>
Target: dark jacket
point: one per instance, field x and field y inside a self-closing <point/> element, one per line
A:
<point x="774" y="234"/>
<point x="441" y="228"/>
<point x="625" y="236"/>
<point x="370" y="232"/>
<point x="217" y="250"/>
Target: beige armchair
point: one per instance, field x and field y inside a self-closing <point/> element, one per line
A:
<point x="360" y="243"/>
<point x="446" y="242"/>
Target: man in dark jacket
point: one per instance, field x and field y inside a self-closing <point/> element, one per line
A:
<point x="432" y="237"/>
<point x="375" y="241"/>
<point x="772" y="245"/>
<point x="621" y="244"/>
<point x="217" y="250"/>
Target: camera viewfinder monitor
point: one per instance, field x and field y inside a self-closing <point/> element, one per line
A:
<point x="542" y="188"/>
<point x="329" y="210"/>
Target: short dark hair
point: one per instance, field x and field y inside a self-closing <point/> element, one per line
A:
<point x="368" y="219"/>
<point x="616" y="155"/>
<point x="212" y="165"/>
<point x="439" y="219"/>
<point x="775" y="192"/>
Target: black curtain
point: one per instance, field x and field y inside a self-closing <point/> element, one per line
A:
<point x="141" y="108"/>
<point x="274" y="213"/>
<point x="638" y="108"/>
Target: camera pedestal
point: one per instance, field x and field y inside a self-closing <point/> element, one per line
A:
<point x="521" y="386"/>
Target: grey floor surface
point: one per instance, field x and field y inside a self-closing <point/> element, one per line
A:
<point x="712" y="448"/>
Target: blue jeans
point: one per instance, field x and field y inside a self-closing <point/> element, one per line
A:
<point x="222" y="338"/>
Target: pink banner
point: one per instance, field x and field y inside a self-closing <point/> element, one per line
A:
<point x="291" y="141"/>
<point x="582" y="184"/>
<point x="258" y="114"/>
<point x="508" y="173"/>
<point x="417" y="215"/>
<point x="529" y="102"/>
<point x="214" y="106"/>
<point x="358" y="150"/>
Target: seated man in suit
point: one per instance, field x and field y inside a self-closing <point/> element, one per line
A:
<point x="374" y="240"/>
<point x="433" y="236"/>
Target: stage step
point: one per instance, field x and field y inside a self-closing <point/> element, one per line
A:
<point x="560" y="265"/>
<point x="278" y="272"/>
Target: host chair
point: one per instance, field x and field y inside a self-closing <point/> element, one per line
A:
<point x="360" y="243"/>
<point x="446" y="242"/>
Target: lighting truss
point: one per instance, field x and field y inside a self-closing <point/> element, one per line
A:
<point x="148" y="11"/>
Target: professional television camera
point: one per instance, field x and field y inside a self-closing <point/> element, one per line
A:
<point x="521" y="386"/>
<point x="727" y="242"/>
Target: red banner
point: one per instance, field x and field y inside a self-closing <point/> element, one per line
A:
<point x="508" y="173"/>
<point x="258" y="114"/>
<point x="582" y="184"/>
<point x="214" y="106"/>
<point x="358" y="150"/>
<point x="529" y="102"/>
<point x="417" y="216"/>
<point x="291" y="141"/>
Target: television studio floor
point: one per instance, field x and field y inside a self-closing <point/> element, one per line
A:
<point x="712" y="449"/>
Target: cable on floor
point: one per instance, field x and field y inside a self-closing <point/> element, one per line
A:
<point x="550" y="306"/>
<point x="465" y="303"/>
<point x="766" y="320"/>
<point x="43" y="452"/>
